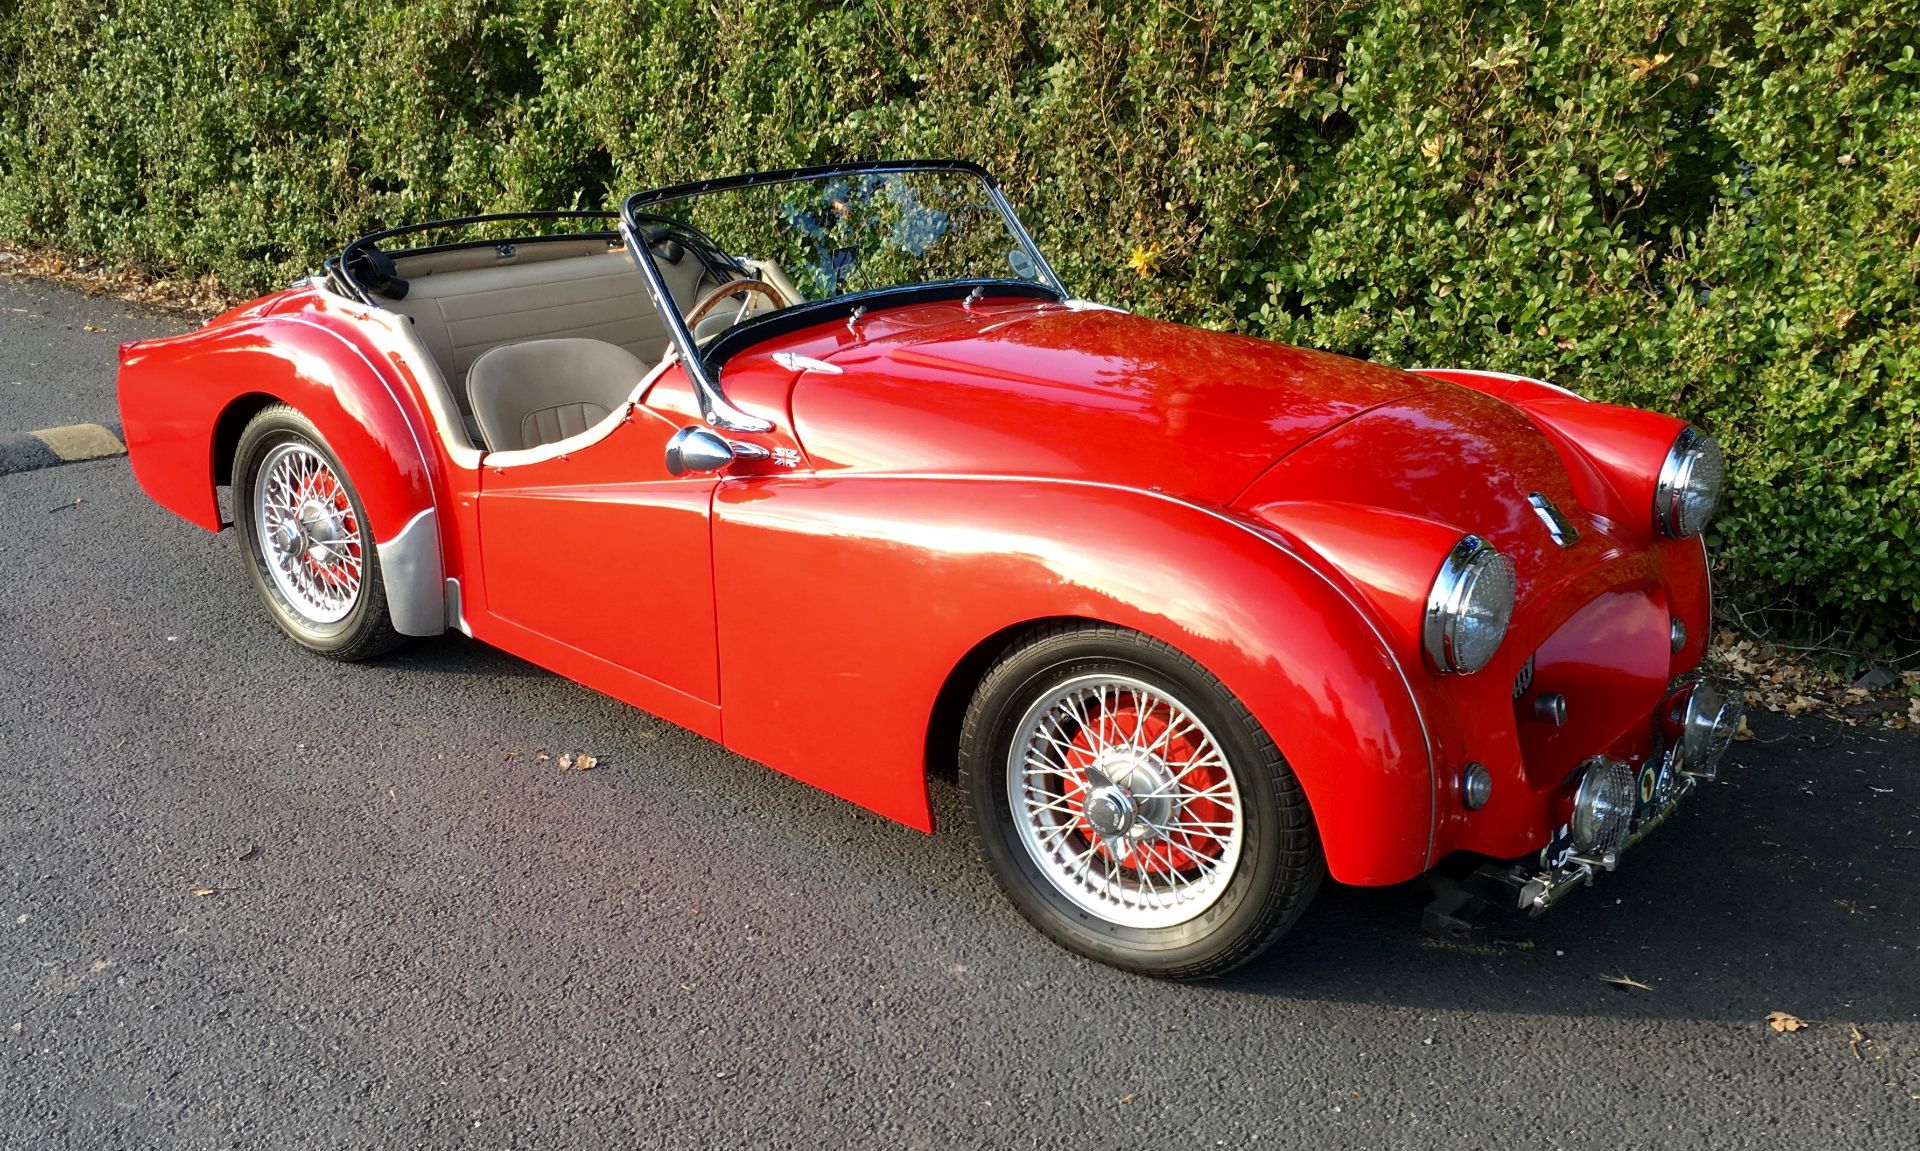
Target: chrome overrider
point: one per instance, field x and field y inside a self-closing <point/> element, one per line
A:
<point x="1602" y="828"/>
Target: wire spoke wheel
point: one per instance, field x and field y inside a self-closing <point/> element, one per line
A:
<point x="1125" y="801"/>
<point x="308" y="533"/>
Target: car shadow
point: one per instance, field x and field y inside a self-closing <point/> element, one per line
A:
<point x="1791" y="884"/>
<point x="454" y="654"/>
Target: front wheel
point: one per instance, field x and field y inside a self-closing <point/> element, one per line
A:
<point x="1131" y="808"/>
<point x="305" y="538"/>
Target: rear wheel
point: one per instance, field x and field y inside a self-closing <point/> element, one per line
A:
<point x="1131" y="807"/>
<point x="305" y="539"/>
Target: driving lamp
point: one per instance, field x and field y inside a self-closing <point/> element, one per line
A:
<point x="1602" y="807"/>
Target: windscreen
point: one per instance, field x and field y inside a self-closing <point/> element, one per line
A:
<point x="854" y="233"/>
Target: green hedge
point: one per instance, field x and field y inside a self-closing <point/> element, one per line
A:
<point x="1711" y="208"/>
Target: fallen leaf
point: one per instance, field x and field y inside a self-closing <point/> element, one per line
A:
<point x="1128" y="1098"/>
<point x="585" y="762"/>
<point x="542" y="757"/>
<point x="1643" y="65"/>
<point x="1625" y="981"/>
<point x="566" y="759"/>
<point x="1742" y="733"/>
<point x="1781" y="1021"/>
<point x="204" y="891"/>
<point x="92" y="328"/>
<point x="1855" y="1042"/>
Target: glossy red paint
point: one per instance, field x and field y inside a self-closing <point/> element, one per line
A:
<point x="1277" y="514"/>
<point x="1049" y="390"/>
<point x="174" y="391"/>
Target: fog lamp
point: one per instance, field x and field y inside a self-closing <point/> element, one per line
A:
<point x="1706" y="728"/>
<point x="1602" y="807"/>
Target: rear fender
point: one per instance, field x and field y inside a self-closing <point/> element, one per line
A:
<point x="176" y="393"/>
<point x="844" y="603"/>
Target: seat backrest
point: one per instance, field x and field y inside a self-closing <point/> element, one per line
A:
<point x="461" y="313"/>
<point x="538" y="391"/>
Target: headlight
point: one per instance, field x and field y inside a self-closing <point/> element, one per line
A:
<point x="1469" y="607"/>
<point x="1602" y="807"/>
<point x="1688" y="491"/>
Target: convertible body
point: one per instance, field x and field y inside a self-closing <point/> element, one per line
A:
<point x="912" y="482"/>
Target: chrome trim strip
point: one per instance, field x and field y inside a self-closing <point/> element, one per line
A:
<point x="1419" y="713"/>
<point x="1508" y="376"/>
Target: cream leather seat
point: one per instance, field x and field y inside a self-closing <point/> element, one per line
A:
<point x="538" y="391"/>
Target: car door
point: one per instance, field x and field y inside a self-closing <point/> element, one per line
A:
<point x="598" y="565"/>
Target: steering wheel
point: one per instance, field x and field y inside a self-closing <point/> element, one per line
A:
<point x="731" y="288"/>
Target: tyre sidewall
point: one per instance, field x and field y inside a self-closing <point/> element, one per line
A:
<point x="1240" y="913"/>
<point x="270" y="429"/>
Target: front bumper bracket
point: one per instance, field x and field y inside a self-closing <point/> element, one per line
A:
<point x="1555" y="883"/>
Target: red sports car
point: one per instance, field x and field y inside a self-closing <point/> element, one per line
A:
<point x="828" y="466"/>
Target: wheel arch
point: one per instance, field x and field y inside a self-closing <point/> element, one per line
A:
<point x="227" y="426"/>
<point x="895" y="592"/>
<point x="949" y="710"/>
<point x="185" y="401"/>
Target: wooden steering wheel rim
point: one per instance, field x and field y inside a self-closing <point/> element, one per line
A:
<point x="711" y="300"/>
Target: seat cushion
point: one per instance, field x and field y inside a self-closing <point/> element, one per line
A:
<point x="539" y="391"/>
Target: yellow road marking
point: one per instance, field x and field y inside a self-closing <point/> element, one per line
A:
<point x="80" y="441"/>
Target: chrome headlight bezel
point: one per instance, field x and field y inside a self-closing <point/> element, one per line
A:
<point x="1469" y="609"/>
<point x="1692" y="479"/>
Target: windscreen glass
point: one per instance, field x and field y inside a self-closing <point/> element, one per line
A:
<point x="848" y="234"/>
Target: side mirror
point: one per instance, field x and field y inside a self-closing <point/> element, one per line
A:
<point x="697" y="450"/>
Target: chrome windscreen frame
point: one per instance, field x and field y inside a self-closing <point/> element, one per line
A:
<point x="714" y="405"/>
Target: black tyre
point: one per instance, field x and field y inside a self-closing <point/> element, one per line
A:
<point x="1131" y="807"/>
<point x="304" y="537"/>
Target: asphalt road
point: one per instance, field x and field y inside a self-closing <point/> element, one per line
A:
<point x="418" y="935"/>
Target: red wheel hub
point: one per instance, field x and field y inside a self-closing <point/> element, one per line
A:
<point x="1123" y="722"/>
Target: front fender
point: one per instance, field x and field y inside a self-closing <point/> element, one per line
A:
<point x="844" y="602"/>
<point x="175" y="393"/>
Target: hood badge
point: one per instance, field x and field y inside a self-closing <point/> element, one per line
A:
<point x="1558" y="526"/>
